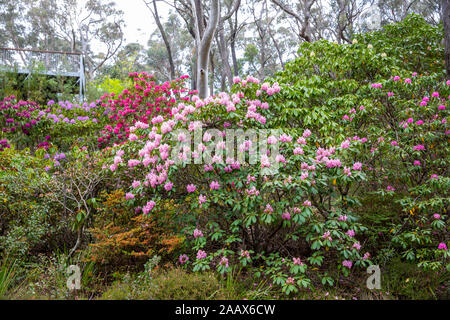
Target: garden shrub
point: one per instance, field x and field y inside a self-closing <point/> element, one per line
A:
<point x="300" y="216"/>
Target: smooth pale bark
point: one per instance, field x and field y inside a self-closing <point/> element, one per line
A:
<point x="203" y="43"/>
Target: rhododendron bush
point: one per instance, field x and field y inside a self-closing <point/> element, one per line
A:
<point x="296" y="183"/>
<point x="144" y="100"/>
<point x="232" y="212"/>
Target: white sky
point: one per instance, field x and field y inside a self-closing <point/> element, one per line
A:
<point x="139" y="22"/>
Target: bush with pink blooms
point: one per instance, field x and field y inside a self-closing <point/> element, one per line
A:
<point x="278" y="226"/>
<point x="142" y="101"/>
<point x="291" y="185"/>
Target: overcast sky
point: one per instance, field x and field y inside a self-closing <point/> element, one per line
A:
<point x="139" y="20"/>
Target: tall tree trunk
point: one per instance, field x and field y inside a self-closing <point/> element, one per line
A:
<point x="164" y="37"/>
<point x="223" y="50"/>
<point x="211" y="83"/>
<point x="446" y="20"/>
<point x="203" y="42"/>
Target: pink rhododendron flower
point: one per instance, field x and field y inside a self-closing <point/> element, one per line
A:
<point x="327" y="235"/>
<point x="168" y="186"/>
<point x="345" y="144"/>
<point x="201" y="254"/>
<point x="286" y="216"/>
<point x="350" y="233"/>
<point x="183" y="259"/>
<point x="191" y="188"/>
<point x="419" y="147"/>
<point x="201" y="199"/>
<point x="136" y="184"/>
<point x="347" y="264"/>
<point x="224" y="262"/>
<point x="129" y="196"/>
<point x="198" y="233"/>
<point x="357" y="166"/>
<point x="214" y="185"/>
<point x="306" y="133"/>
<point x="271" y="140"/>
<point x="148" y="207"/>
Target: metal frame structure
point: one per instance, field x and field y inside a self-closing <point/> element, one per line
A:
<point x="51" y="63"/>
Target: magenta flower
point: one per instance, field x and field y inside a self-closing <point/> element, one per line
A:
<point x="326" y="235"/>
<point x="148" y="207"/>
<point x="419" y="147"/>
<point x="224" y="262"/>
<point x="214" y="185"/>
<point x="347" y="264"/>
<point x="357" y="245"/>
<point x="168" y="186"/>
<point x="417" y="163"/>
<point x="129" y="196"/>
<point x="191" y="188"/>
<point x="306" y="133"/>
<point x="136" y="184"/>
<point x="442" y="246"/>
<point x="345" y="144"/>
<point x="357" y="166"/>
<point x="286" y="216"/>
<point x="297" y="261"/>
<point x="198" y="233"/>
<point x="350" y="233"/>
<point x="183" y="259"/>
<point x="436" y="216"/>
<point x="201" y="254"/>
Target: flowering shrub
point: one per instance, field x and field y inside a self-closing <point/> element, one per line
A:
<point x="29" y="125"/>
<point x="235" y="213"/>
<point x="143" y="100"/>
<point x="407" y="157"/>
<point x="16" y="118"/>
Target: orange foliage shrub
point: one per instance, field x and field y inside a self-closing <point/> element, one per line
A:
<point x="123" y="238"/>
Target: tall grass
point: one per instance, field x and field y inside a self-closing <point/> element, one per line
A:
<point x="8" y="271"/>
